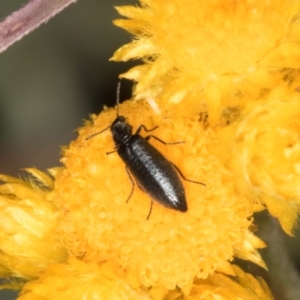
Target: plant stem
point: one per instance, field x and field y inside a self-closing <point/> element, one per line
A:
<point x="28" y="18"/>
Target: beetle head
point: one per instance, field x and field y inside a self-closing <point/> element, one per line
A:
<point x="121" y="130"/>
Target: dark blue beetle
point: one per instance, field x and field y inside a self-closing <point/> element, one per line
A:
<point x="153" y="173"/>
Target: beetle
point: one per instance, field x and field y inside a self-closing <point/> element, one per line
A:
<point x="152" y="172"/>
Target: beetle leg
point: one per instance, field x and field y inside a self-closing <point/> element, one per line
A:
<point x="150" y="209"/>
<point x="132" y="193"/>
<point x="144" y="127"/>
<point x="110" y="152"/>
<point x="183" y="177"/>
<point x="147" y="138"/>
<point x="115" y="150"/>
<point x="132" y="185"/>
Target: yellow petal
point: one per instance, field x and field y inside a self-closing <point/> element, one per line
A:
<point x="41" y="177"/>
<point x="243" y="286"/>
<point x="136" y="49"/>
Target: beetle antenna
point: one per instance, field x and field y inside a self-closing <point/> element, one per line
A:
<point x="97" y="133"/>
<point x="118" y="102"/>
<point x="118" y="96"/>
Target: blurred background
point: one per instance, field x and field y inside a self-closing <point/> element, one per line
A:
<point x="54" y="78"/>
<point x="51" y="81"/>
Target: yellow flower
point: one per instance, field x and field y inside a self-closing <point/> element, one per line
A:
<point x="28" y="242"/>
<point x="267" y="155"/>
<point x="227" y="59"/>
<point x="79" y="280"/>
<point x="171" y="248"/>
<point x="242" y="286"/>
<point x="216" y="52"/>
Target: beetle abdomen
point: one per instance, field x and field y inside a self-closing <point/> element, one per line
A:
<point x="153" y="173"/>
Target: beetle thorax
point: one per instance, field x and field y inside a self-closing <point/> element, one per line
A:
<point x="121" y="131"/>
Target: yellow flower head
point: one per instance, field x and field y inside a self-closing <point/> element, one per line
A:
<point x="79" y="280"/>
<point x="242" y="286"/>
<point x="215" y="52"/>
<point x="267" y="155"/>
<point x="170" y="248"/>
<point x="28" y="242"/>
<point x="227" y="59"/>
